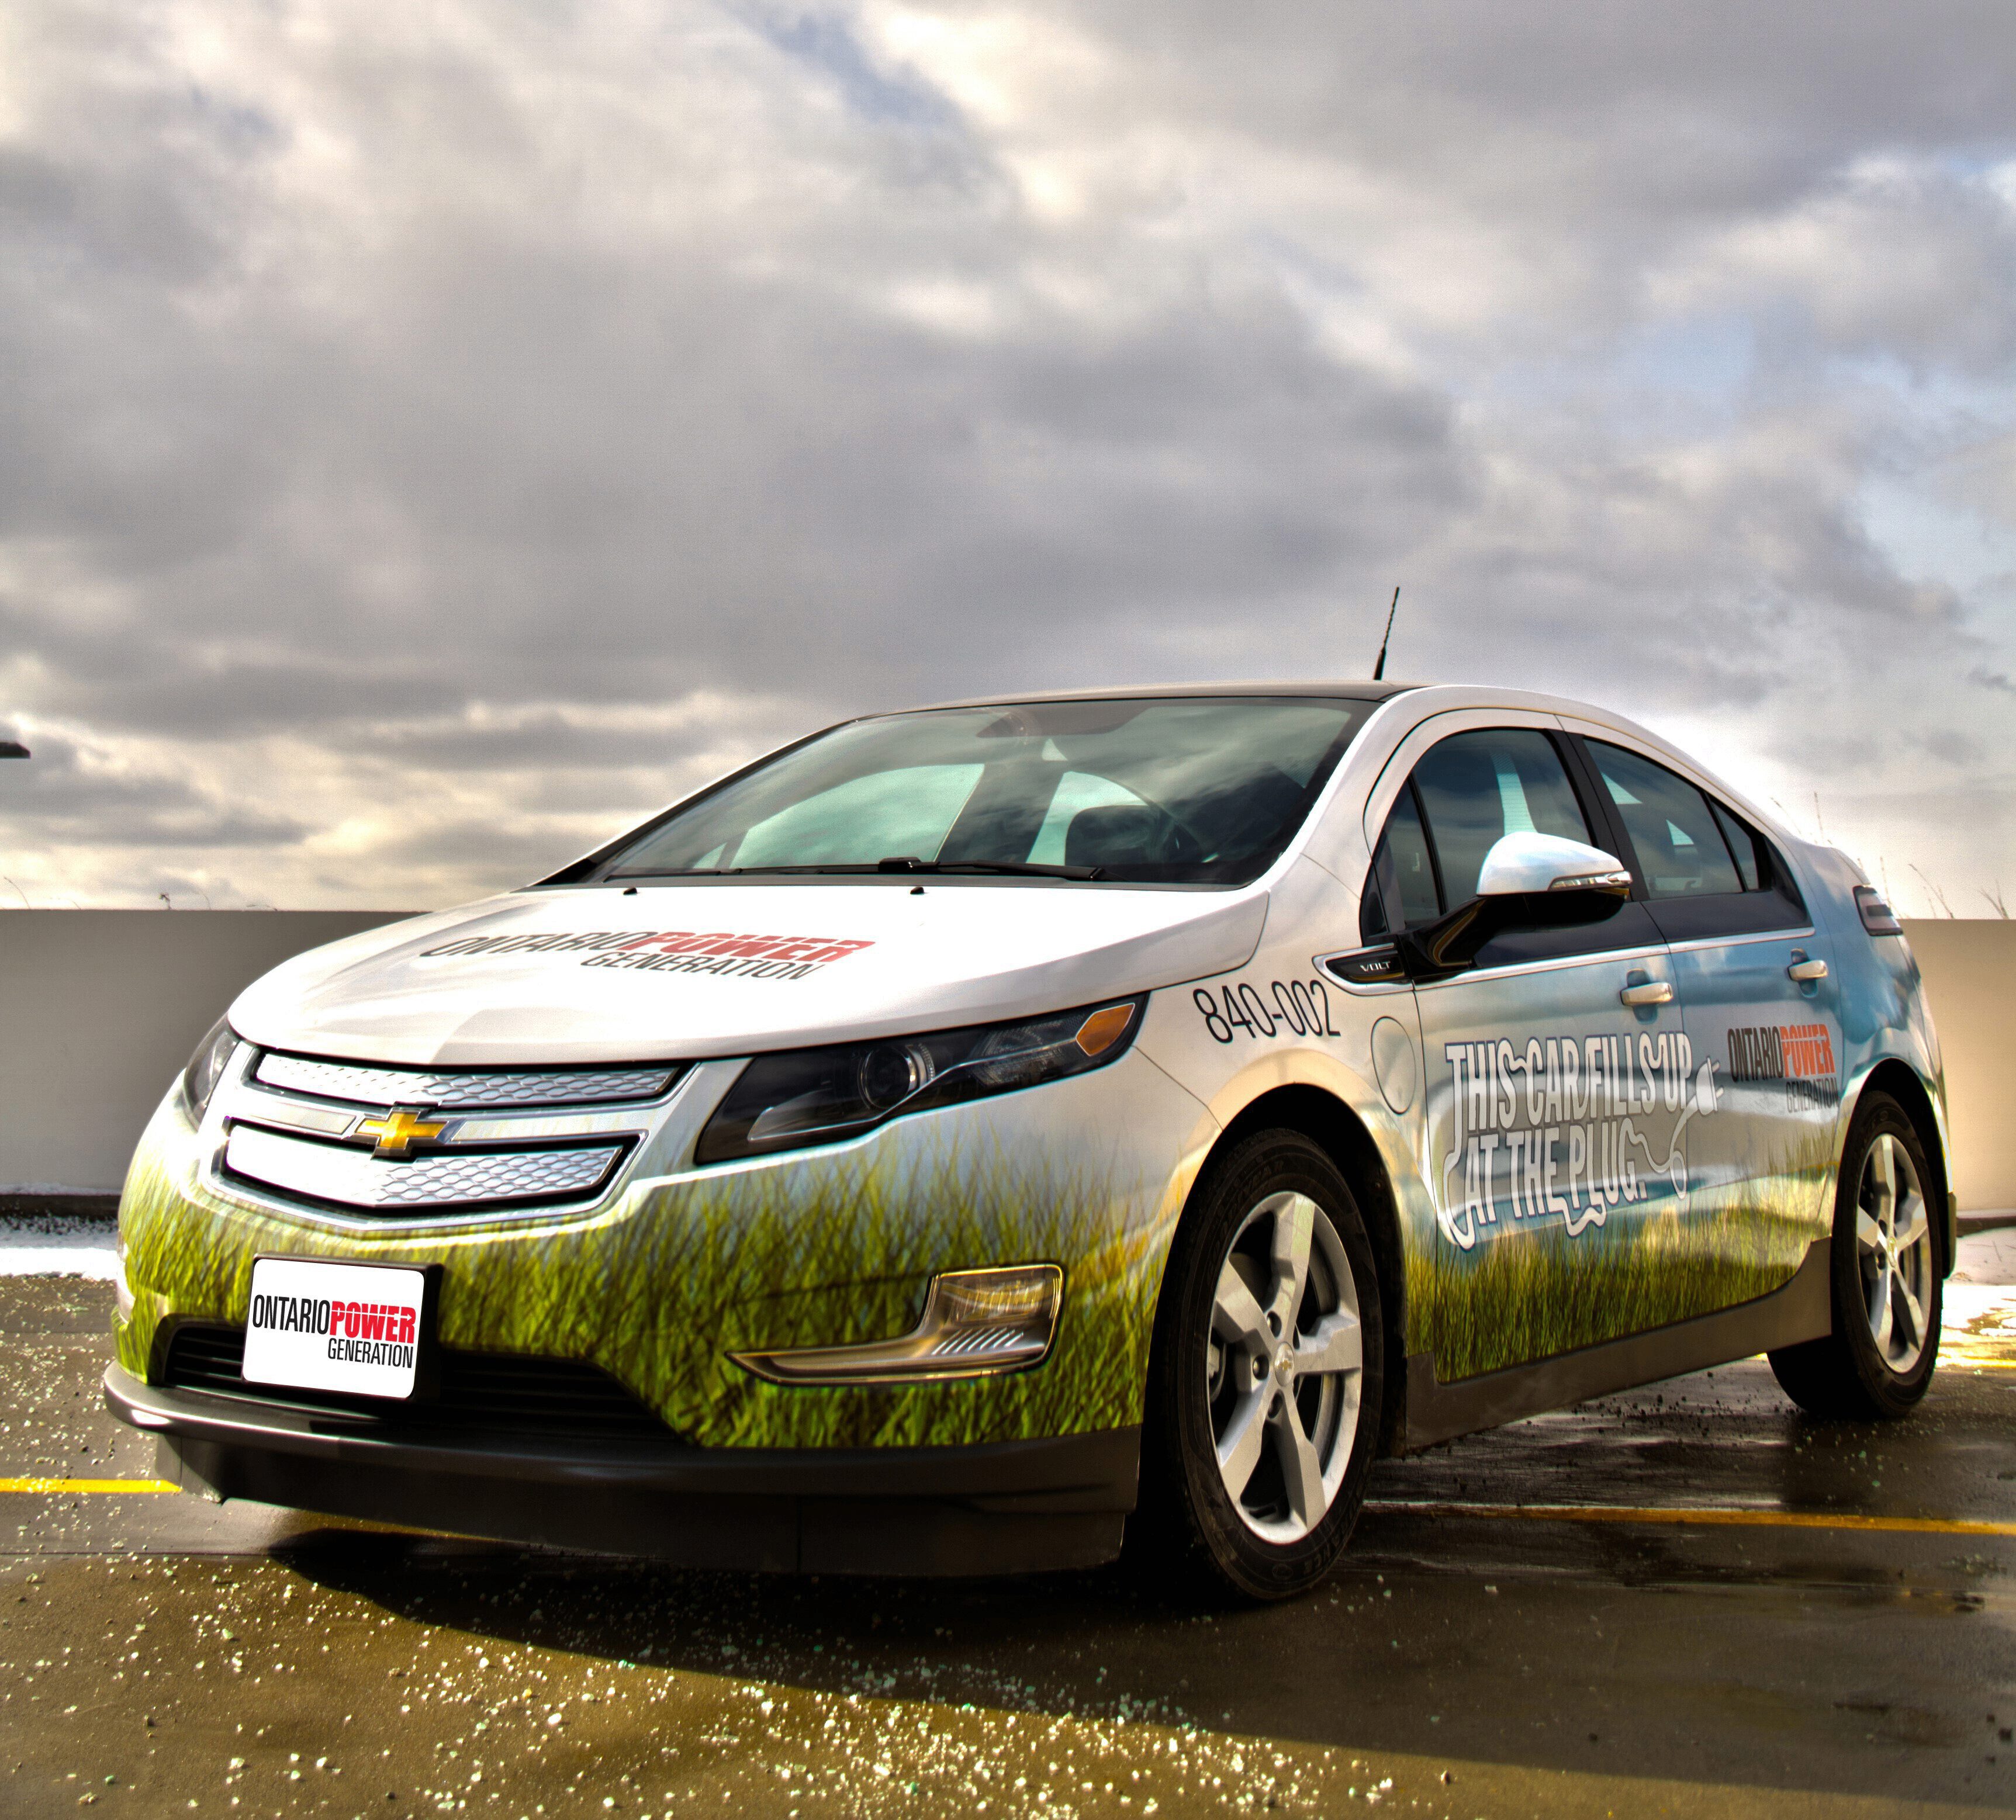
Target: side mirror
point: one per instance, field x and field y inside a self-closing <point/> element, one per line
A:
<point x="1527" y="881"/>
<point x="1530" y="865"/>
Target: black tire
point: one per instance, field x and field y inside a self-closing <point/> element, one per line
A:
<point x="1188" y="1520"/>
<point x="1849" y="1375"/>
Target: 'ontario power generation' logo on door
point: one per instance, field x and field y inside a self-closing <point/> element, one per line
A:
<point x="1798" y="1056"/>
<point x="677" y="950"/>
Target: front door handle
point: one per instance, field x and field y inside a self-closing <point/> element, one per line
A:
<point x="1806" y="971"/>
<point x="1651" y="992"/>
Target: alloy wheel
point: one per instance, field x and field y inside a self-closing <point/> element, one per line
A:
<point x="1284" y="1368"/>
<point x="1893" y="1240"/>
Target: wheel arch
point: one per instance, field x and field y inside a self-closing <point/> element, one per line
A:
<point x="1329" y="1123"/>
<point x="1900" y="1081"/>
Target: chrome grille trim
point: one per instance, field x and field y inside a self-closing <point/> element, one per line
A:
<point x="360" y="1083"/>
<point x="442" y="1181"/>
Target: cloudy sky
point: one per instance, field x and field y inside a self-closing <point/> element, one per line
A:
<point x="433" y="435"/>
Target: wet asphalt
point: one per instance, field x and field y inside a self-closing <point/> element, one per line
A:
<point x="1481" y="1653"/>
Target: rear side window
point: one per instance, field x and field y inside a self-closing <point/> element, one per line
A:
<point x="1705" y="870"/>
<point x="1681" y="849"/>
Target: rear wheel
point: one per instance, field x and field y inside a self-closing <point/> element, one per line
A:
<point x="1269" y="1371"/>
<point x="1878" y="1361"/>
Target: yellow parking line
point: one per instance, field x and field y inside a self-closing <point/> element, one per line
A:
<point x="1939" y="1526"/>
<point x="1942" y="1525"/>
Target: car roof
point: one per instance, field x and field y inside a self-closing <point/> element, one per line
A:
<point x="1353" y="689"/>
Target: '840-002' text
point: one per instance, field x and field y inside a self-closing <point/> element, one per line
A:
<point x="1297" y="1007"/>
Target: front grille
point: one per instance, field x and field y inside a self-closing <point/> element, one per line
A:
<point x="481" y="1393"/>
<point x="451" y="1089"/>
<point x="440" y="1182"/>
<point x="315" y="1131"/>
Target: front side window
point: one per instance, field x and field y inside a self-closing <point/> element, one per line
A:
<point x="1179" y="790"/>
<point x="1467" y="792"/>
<point x="1476" y="788"/>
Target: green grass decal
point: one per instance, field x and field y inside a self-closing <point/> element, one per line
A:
<point x="826" y="1250"/>
<point x="1531" y="1294"/>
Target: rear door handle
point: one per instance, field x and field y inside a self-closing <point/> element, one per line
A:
<point x="1652" y="992"/>
<point x="1803" y="971"/>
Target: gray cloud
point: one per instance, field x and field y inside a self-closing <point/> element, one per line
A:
<point x="76" y="798"/>
<point x="429" y="442"/>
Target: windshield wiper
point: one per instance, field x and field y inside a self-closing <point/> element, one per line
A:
<point x="1007" y="868"/>
<point x="904" y="863"/>
<point x="1012" y="868"/>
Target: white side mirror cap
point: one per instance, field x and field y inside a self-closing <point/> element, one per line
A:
<point x="1527" y="862"/>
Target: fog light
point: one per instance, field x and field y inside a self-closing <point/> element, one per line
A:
<point x="976" y="1323"/>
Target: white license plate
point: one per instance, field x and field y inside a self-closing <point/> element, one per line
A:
<point x="350" y="1327"/>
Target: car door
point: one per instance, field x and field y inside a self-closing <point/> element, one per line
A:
<point x="1752" y="972"/>
<point x="1556" y="1066"/>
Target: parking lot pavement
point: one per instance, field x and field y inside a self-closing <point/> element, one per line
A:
<point x="1686" y="1600"/>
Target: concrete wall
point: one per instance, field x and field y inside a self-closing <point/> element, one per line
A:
<point x="99" y="1008"/>
<point x="1970" y="972"/>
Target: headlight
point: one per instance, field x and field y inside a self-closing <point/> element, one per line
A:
<point x="817" y="1096"/>
<point x="213" y="1056"/>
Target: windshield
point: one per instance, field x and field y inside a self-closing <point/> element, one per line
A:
<point x="1188" y="791"/>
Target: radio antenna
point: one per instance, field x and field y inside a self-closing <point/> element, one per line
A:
<point x="1379" y="669"/>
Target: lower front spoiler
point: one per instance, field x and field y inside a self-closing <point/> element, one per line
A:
<point x="1013" y="1508"/>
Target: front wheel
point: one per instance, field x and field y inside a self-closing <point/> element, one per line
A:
<point x="1877" y="1362"/>
<point x="1269" y="1371"/>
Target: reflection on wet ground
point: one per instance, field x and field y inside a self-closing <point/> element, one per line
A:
<point x="161" y="1655"/>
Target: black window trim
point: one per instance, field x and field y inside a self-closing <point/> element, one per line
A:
<point x="1616" y="839"/>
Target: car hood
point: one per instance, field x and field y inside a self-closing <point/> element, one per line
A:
<point x="713" y="970"/>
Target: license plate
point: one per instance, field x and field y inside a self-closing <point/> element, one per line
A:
<point x="355" y="1328"/>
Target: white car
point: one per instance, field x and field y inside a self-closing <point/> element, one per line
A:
<point x="969" y="1135"/>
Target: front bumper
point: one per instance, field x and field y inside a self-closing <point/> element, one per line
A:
<point x="1011" y="1507"/>
<point x="681" y="1270"/>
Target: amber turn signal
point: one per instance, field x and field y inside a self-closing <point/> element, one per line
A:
<point x="1104" y="1028"/>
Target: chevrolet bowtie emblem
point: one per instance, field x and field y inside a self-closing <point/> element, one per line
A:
<point x="400" y="1129"/>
